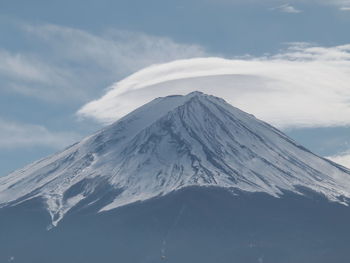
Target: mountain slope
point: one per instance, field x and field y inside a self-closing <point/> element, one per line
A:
<point x="194" y="224"/>
<point x="169" y="144"/>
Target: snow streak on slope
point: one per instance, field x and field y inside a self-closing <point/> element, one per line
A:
<point x="171" y="143"/>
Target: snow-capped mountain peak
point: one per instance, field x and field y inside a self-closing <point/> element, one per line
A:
<point x="172" y="143"/>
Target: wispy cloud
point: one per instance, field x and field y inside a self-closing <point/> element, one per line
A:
<point x="343" y="5"/>
<point x="30" y="75"/>
<point x="287" y="8"/>
<point x="290" y="5"/>
<point x="343" y="159"/>
<point x="19" y="135"/>
<point x="72" y="64"/>
<point x="115" y="50"/>
<point x="304" y="86"/>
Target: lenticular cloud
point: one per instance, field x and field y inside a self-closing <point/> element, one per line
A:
<point x="305" y="86"/>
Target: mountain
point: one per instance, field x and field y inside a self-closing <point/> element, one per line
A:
<point x="191" y="166"/>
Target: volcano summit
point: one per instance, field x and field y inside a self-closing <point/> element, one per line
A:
<point x="182" y="179"/>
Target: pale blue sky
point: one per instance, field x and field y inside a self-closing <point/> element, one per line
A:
<point x="55" y="56"/>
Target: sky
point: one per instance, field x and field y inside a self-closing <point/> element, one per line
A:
<point x="67" y="68"/>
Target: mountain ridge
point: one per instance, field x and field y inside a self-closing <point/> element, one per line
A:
<point x="172" y="143"/>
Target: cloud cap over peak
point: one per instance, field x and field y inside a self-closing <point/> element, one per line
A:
<point x="305" y="86"/>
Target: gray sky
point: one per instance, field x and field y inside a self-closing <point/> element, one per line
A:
<point x="57" y="56"/>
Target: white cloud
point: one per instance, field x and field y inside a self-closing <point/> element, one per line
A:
<point x="19" y="135"/>
<point x="338" y="2"/>
<point x="305" y="86"/>
<point x="30" y="75"/>
<point x="323" y="2"/>
<point x="72" y="64"/>
<point x="287" y="8"/>
<point x="19" y="66"/>
<point x="327" y="2"/>
<point x="345" y="8"/>
<point x="117" y="51"/>
<point x="342" y="159"/>
<point x="291" y="2"/>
